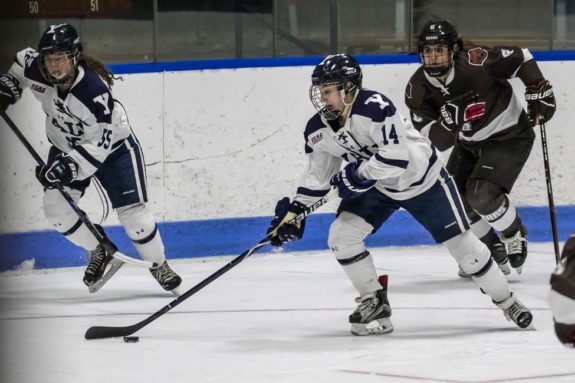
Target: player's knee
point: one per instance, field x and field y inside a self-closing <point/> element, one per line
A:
<point x="137" y="220"/>
<point x="484" y="196"/>
<point x="346" y="235"/>
<point x="470" y="253"/>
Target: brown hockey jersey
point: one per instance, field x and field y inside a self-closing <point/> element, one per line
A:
<point x="481" y="70"/>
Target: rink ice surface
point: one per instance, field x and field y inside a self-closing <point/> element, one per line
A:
<point x="280" y="317"/>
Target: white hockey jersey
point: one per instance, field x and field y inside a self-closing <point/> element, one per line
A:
<point x="87" y="123"/>
<point x="403" y="162"/>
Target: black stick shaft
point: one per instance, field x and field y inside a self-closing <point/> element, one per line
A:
<point x="107" y="244"/>
<point x="100" y="332"/>
<point x="550" y="193"/>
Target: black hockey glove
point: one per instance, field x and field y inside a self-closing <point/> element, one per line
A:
<point x="62" y="170"/>
<point x="282" y="232"/>
<point x="459" y="110"/>
<point x="348" y="183"/>
<point x="10" y="91"/>
<point x="540" y="101"/>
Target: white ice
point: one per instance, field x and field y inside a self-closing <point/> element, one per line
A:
<point x="280" y="318"/>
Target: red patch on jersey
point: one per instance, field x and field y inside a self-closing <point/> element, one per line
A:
<point x="477" y="56"/>
<point x="474" y="111"/>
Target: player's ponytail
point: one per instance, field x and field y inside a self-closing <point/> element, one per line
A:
<point x="98" y="67"/>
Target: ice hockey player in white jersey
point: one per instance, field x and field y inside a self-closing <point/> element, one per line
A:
<point x="90" y="137"/>
<point x="389" y="165"/>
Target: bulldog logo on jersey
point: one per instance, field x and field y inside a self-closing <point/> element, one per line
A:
<point x="477" y="56"/>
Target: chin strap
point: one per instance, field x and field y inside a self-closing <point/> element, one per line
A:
<point x="347" y="109"/>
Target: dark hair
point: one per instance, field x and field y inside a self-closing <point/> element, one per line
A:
<point x="91" y="63"/>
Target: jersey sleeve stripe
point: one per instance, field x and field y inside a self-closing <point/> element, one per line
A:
<point x="88" y="157"/>
<point x="432" y="161"/>
<point x="311" y="193"/>
<point x="398" y="163"/>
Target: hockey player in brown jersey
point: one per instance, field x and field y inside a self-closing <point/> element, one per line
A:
<point x="461" y="98"/>
<point x="562" y="294"/>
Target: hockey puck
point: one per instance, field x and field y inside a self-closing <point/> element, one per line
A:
<point x="131" y="339"/>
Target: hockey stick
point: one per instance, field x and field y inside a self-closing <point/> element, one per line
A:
<point x="105" y="242"/>
<point x="550" y="193"/>
<point x="100" y="332"/>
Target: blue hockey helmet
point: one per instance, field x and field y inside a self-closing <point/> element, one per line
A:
<point x="61" y="38"/>
<point x="341" y="70"/>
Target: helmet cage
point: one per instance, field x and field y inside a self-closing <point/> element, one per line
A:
<point x="72" y="56"/>
<point x="326" y="111"/>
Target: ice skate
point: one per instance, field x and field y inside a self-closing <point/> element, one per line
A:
<point x="99" y="259"/>
<point x="112" y="269"/>
<point x="372" y="315"/>
<point x="499" y="255"/>
<point x="516" y="311"/>
<point x="166" y="277"/>
<point x="516" y="247"/>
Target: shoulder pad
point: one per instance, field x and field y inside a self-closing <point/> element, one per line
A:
<point x="26" y="57"/>
<point x="314" y="124"/>
<point x="415" y="89"/>
<point x="373" y="105"/>
<point x="93" y="92"/>
<point x="28" y="60"/>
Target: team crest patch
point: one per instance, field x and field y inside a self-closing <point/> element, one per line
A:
<point x="38" y="88"/>
<point x="477" y="56"/>
<point x="316" y="138"/>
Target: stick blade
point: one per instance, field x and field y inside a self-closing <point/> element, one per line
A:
<point x="102" y="332"/>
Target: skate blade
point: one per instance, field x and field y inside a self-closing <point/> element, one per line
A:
<point x="376" y="327"/>
<point x="505" y="269"/>
<point x="176" y="291"/>
<point x="112" y="268"/>
<point x="519" y="269"/>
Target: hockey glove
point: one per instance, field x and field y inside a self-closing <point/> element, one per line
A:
<point x="348" y="183"/>
<point x="62" y="170"/>
<point x="10" y="91"/>
<point x="540" y="101"/>
<point x="280" y="231"/>
<point x="459" y="110"/>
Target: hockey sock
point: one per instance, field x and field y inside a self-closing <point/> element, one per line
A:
<point x="142" y="230"/>
<point x="361" y="272"/>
